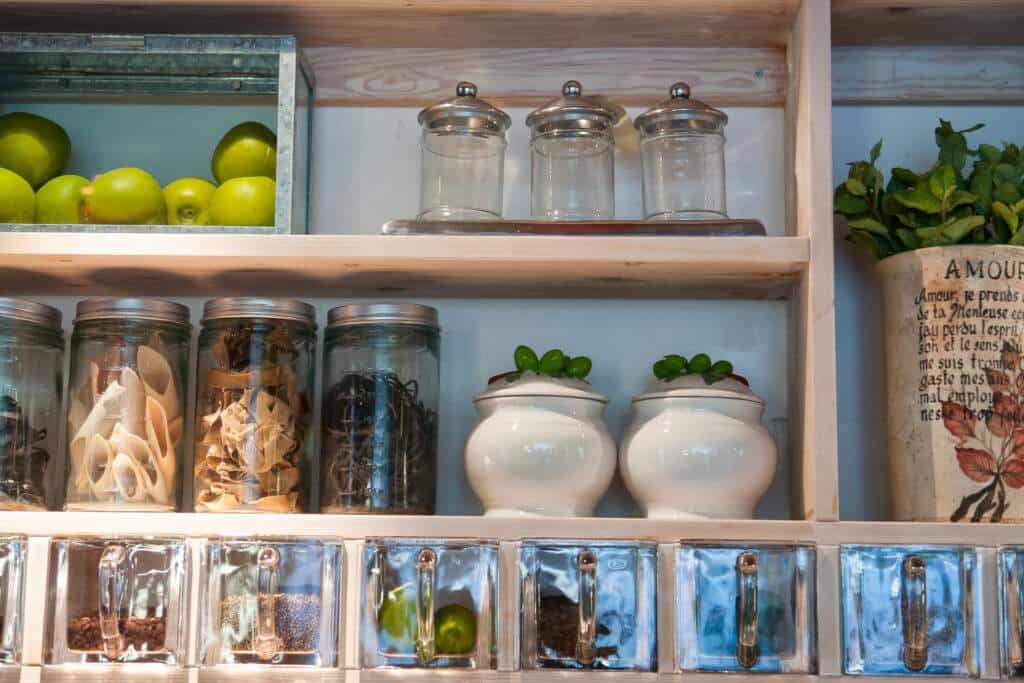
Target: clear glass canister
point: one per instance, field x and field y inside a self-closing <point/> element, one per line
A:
<point x="253" y="444"/>
<point x="31" y="365"/>
<point x="117" y="601"/>
<point x="463" y="158"/>
<point x="271" y="601"/>
<point x="13" y="550"/>
<point x="572" y="168"/>
<point x="682" y="153"/>
<point x="379" y="417"/>
<point x="126" y="404"/>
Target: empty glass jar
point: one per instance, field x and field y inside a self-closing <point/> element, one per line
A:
<point x="126" y="404"/>
<point x="254" y="446"/>
<point x="682" y="153"/>
<point x="379" y="417"/>
<point x="12" y="582"/>
<point x="572" y="168"/>
<point x="430" y="604"/>
<point x="909" y="610"/>
<point x="589" y="605"/>
<point x="31" y="365"/>
<point x="117" y="600"/>
<point x="271" y="601"/>
<point x="463" y="158"/>
<point x="746" y="608"/>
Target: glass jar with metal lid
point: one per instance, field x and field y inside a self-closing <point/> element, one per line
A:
<point x="463" y="158"/>
<point x="31" y="364"/>
<point x="253" y="444"/>
<point x="682" y="152"/>
<point x="379" y="417"/>
<point x="126" y="404"/>
<point x="572" y="153"/>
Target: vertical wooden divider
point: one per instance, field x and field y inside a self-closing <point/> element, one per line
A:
<point x="809" y="213"/>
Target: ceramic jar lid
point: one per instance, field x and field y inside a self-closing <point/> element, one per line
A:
<point x="694" y="386"/>
<point x="465" y="112"/>
<point x="680" y="113"/>
<point x="540" y="386"/>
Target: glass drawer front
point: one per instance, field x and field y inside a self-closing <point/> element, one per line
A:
<point x="1011" y="608"/>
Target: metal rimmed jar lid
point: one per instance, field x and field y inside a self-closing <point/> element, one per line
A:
<point x="256" y="307"/>
<point x="575" y="111"/>
<point x="156" y="310"/>
<point x="680" y="113"/>
<point x="26" y="311"/>
<point x="465" y="111"/>
<point x="382" y="313"/>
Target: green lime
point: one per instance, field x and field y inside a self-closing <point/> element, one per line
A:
<point x="552" y="363"/>
<point x="17" y="201"/>
<point x="248" y="149"/>
<point x="579" y="367"/>
<point x="35" y="148"/>
<point x="124" y="196"/>
<point x="59" y="201"/>
<point x="454" y="630"/>
<point x="244" y="201"/>
<point x="397" y="616"/>
<point x="526" y="359"/>
<point x="675" y="363"/>
<point x="700" y="363"/>
<point x="722" y="367"/>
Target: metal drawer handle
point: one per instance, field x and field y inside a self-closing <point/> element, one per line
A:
<point x="426" y="569"/>
<point x="268" y="645"/>
<point x="914" y="606"/>
<point x="586" y="644"/>
<point x="748" y="651"/>
<point x="111" y="576"/>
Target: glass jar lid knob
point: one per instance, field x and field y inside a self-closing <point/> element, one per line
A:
<point x="465" y="89"/>
<point x="679" y="91"/>
<point x="572" y="89"/>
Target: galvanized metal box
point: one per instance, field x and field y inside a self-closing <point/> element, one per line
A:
<point x="161" y="103"/>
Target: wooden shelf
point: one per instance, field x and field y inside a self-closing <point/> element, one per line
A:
<point x="392" y="265"/>
<point x="430" y="23"/>
<point x="927" y="22"/>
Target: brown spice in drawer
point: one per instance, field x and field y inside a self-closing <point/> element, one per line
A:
<point x="84" y="633"/>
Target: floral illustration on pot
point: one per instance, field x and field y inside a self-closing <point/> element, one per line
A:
<point x="990" y="444"/>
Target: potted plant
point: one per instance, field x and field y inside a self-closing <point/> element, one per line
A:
<point x="695" y="446"/>
<point x="541" y="446"/>
<point x="948" y="242"/>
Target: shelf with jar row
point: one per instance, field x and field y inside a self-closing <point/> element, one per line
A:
<point x="491" y="607"/>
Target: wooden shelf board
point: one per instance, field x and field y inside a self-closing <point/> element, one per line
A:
<point x="430" y="23"/>
<point x="373" y="265"/>
<point x="927" y="22"/>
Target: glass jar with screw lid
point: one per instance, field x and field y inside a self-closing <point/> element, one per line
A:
<point x="682" y="152"/>
<point x="463" y="158"/>
<point x="572" y="176"/>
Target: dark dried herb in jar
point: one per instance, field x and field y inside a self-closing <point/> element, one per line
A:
<point x="380" y="445"/>
<point x="22" y="462"/>
<point x="296" y="616"/>
<point x="558" y="629"/>
<point x="138" y="632"/>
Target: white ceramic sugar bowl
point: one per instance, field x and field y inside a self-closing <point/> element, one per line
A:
<point x="541" y="448"/>
<point x="693" y="450"/>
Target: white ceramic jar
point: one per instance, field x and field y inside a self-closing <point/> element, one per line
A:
<point x="693" y="450"/>
<point x="541" y="448"/>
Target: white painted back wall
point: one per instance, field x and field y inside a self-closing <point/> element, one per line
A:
<point x="908" y="132"/>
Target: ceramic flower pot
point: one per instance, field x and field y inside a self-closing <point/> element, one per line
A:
<point x="693" y="451"/>
<point x="954" y="333"/>
<point x="541" y="448"/>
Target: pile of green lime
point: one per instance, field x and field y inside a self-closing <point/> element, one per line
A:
<point x="34" y="152"/>
<point x="454" y="625"/>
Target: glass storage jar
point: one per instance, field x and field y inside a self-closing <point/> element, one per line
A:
<point x="271" y="601"/>
<point x="12" y="586"/>
<point x="117" y="601"/>
<point x="430" y="603"/>
<point x="126" y="404"/>
<point x="909" y="610"/>
<point x="462" y="158"/>
<point x="589" y="605"/>
<point x="682" y="155"/>
<point x="746" y="608"/>
<point x="379" y="417"/>
<point x="572" y="167"/>
<point x="31" y="366"/>
<point x="253" y="443"/>
<point x="1011" y="609"/>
